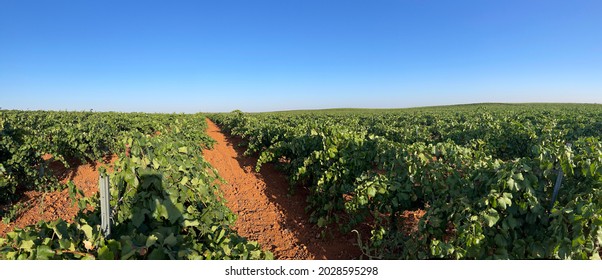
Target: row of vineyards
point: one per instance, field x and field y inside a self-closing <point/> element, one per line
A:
<point x="484" y="174"/>
<point x="165" y="203"/>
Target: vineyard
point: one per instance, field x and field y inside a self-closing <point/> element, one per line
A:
<point x="165" y="200"/>
<point x="482" y="177"/>
<point x="485" y="181"/>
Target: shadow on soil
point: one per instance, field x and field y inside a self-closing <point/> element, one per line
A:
<point x="336" y="246"/>
<point x="61" y="172"/>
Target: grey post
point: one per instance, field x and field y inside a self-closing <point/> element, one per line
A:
<point x="105" y="210"/>
<point x="556" y="187"/>
<point x="558" y="181"/>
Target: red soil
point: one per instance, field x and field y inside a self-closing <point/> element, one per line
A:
<point x="50" y="206"/>
<point x="267" y="213"/>
<point x="410" y="220"/>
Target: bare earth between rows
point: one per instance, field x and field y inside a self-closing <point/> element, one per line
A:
<point x="51" y="205"/>
<point x="266" y="212"/>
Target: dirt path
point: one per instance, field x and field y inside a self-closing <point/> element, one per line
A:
<point x="266" y="212"/>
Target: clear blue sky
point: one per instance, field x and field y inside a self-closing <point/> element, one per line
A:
<point x="190" y="56"/>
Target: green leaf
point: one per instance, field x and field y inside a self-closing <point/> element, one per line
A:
<point x="156" y="164"/>
<point x="127" y="248"/>
<point x="512" y="222"/>
<point x="227" y="250"/>
<point x="104" y="253"/>
<point x="183" y="150"/>
<point x="44" y="253"/>
<point x="26" y="245"/>
<point x="500" y="240"/>
<point x="151" y="240"/>
<point x="518" y="177"/>
<point x="577" y="242"/>
<point x="160" y="210"/>
<point x="512" y="185"/>
<point x="66" y="244"/>
<point x="189" y="223"/>
<point x="156" y="254"/>
<point x="60" y="229"/>
<point x="171" y="240"/>
<point x="131" y="179"/>
<point x="173" y="213"/>
<point x="114" y="245"/>
<point x="501" y="253"/>
<point x="491" y="217"/>
<point x="138" y="218"/>
<point x="321" y="222"/>
<point x="87" y="231"/>
<point x="255" y="254"/>
<point x="564" y="252"/>
<point x="184" y="180"/>
<point x="11" y="255"/>
<point x="371" y="191"/>
<point x="592" y="169"/>
<point x="505" y="200"/>
<point x="82" y="203"/>
<point x="221" y="235"/>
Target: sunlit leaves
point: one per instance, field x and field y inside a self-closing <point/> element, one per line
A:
<point x="164" y="199"/>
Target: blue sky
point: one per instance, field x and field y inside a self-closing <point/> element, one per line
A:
<point x="191" y="56"/>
